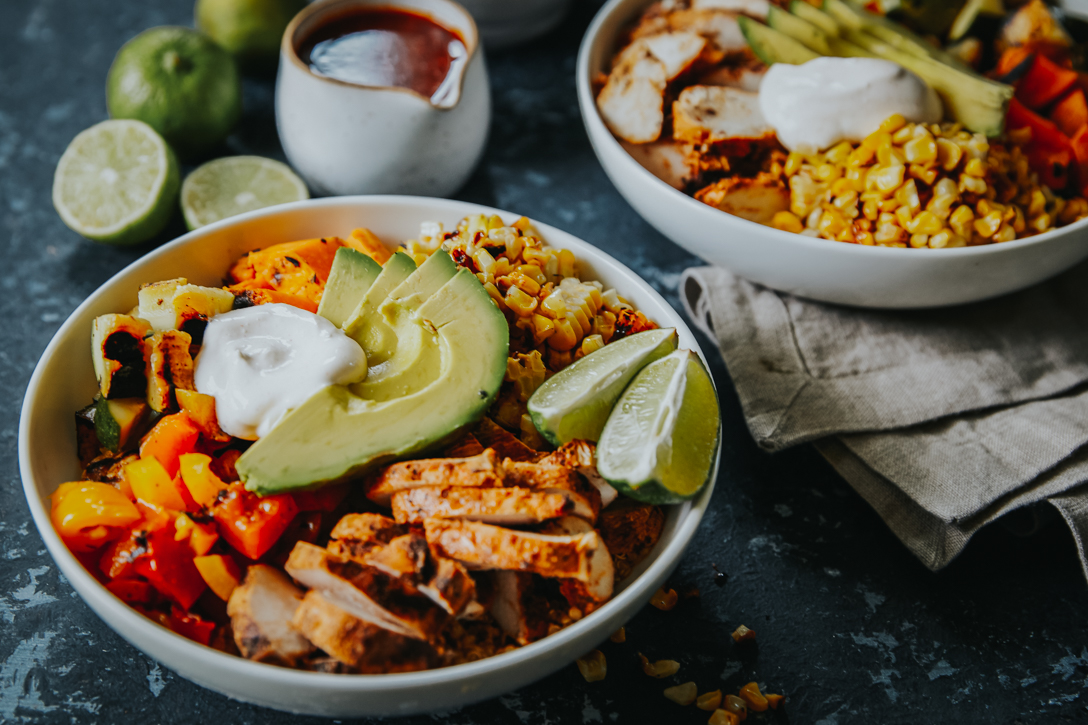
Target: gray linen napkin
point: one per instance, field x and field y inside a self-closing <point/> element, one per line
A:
<point x="943" y="420"/>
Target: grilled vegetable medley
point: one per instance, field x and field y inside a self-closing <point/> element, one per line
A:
<point x="866" y="123"/>
<point x="331" y="462"/>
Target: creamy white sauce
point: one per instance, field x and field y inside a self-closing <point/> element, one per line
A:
<point x="826" y="100"/>
<point x="261" y="362"/>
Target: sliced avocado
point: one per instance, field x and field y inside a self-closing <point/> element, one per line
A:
<point x="814" y="15"/>
<point x="772" y="46"/>
<point x="891" y="32"/>
<point x="799" y="29"/>
<point x="402" y="355"/>
<point x="351" y="276"/>
<point x="337" y="435"/>
<point x="978" y="103"/>
<point x="365" y="324"/>
<point x="120" y="422"/>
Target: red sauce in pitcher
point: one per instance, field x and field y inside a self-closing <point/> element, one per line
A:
<point x="383" y="47"/>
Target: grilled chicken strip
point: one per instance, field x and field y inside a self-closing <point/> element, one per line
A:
<point x="506" y="444"/>
<point x="482" y="470"/>
<point x="358" y="643"/>
<point x="630" y="529"/>
<point x="514" y="607"/>
<point x="509" y="506"/>
<point x="365" y="592"/>
<point x="550" y="478"/>
<point x="405" y="556"/>
<point x="260" y="612"/>
<point x="590" y="593"/>
<point x="483" y="546"/>
<point x="581" y="456"/>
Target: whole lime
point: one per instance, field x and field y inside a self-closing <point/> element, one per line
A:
<point x="250" y="29"/>
<point x="179" y="82"/>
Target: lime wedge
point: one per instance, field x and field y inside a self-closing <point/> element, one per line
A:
<point x="660" y="442"/>
<point x="236" y="184"/>
<point x="116" y="183"/>
<point x="575" y="402"/>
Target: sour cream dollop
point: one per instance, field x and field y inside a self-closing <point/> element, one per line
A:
<point x="261" y="362"/>
<point x="817" y="104"/>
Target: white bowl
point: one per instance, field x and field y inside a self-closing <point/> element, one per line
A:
<point x="63" y="382"/>
<point x="829" y="271"/>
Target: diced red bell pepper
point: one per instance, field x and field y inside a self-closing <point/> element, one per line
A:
<point x="133" y="591"/>
<point x="1049" y="151"/>
<point x="250" y="523"/>
<point x="1071" y="112"/>
<point x="1044" y="83"/>
<point x="173" y="435"/>
<point x="1013" y="64"/>
<point x="118" y="559"/>
<point x="326" y="498"/>
<point x="169" y="566"/>
<point x="190" y="625"/>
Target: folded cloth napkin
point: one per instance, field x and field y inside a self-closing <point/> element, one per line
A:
<point x="943" y="420"/>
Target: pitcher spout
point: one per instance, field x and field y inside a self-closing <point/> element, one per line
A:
<point x="448" y="95"/>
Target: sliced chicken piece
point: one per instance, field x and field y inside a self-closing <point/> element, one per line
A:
<point x="465" y="446"/>
<point x="506" y="444"/>
<point x="516" y="609"/>
<point x="710" y="114"/>
<point x="260" y="613"/>
<point x="581" y="456"/>
<point x="584" y="498"/>
<point x="630" y="529"/>
<point x="481" y="470"/>
<point x="408" y="558"/>
<point x="483" y="546"/>
<point x="632" y="102"/>
<point x="720" y="28"/>
<point x="676" y="50"/>
<point x="744" y="76"/>
<point x="591" y="593"/>
<point x="356" y="536"/>
<point x="510" y="506"/>
<point x="665" y="159"/>
<point x="756" y="200"/>
<point x="755" y="8"/>
<point x="365" y="592"/>
<point x="358" y="643"/>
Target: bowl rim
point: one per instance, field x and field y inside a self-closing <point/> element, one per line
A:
<point x="96" y="595"/>
<point x="599" y="133"/>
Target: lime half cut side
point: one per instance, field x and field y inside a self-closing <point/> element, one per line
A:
<point x="575" y="402"/>
<point x="660" y="442"/>
<point x="117" y="183"/>
<point x="236" y="184"/>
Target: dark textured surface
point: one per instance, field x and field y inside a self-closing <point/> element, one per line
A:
<point x="849" y="625"/>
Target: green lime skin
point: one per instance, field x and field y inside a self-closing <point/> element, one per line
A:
<point x="250" y="30"/>
<point x="179" y="82"/>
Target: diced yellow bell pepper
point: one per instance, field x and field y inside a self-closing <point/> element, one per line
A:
<point x="220" y="573"/>
<point x="201" y="537"/>
<point x="87" y="514"/>
<point x="204" y="486"/>
<point x="152" y="485"/>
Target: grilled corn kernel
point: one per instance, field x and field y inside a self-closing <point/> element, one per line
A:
<point x="750" y="694"/>
<point x="543" y="328"/>
<point x="664" y="599"/>
<point x="684" y="694"/>
<point x="593" y="666"/>
<point x="961" y="220"/>
<point x="554" y="306"/>
<point x="735" y="705"/>
<point x="870" y="210"/>
<point x="887" y="234"/>
<point x="903" y="217"/>
<point x="721" y="717"/>
<point x="1037" y="205"/>
<point x="939" y="240"/>
<point x="591" y="343"/>
<point x="1005" y="234"/>
<point x="885" y="179"/>
<point x="659" y="669"/>
<point x="975" y="167"/>
<point x="904" y="134"/>
<point x="566" y="263"/>
<point x="973" y="184"/>
<point x="564" y="338"/>
<point x="919" y="240"/>
<point x="838" y="153"/>
<point x="793" y="163"/>
<point x="522" y="304"/>
<point x="773" y="700"/>
<point x="877" y="139"/>
<point x="709" y="700"/>
<point x="860" y="156"/>
<point x="988" y="225"/>
<point x="921" y="150"/>
<point x="948" y="154"/>
<point x="925" y="223"/>
<point x="743" y="634"/>
<point x="890" y="156"/>
<point x="786" y="221"/>
<point x="907" y="195"/>
<point x="924" y="173"/>
<point x="1041" y="223"/>
<point x="892" y="123"/>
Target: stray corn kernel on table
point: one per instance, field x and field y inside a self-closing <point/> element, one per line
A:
<point x="848" y="626"/>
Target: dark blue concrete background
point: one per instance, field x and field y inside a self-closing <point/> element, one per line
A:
<point x="849" y="625"/>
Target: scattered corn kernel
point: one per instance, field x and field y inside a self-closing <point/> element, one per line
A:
<point x="721" y="717"/>
<point x="619" y="636"/>
<point x="750" y="694"/>
<point x="659" y="669"/>
<point x="664" y="599"/>
<point x="593" y="666"/>
<point x="709" y="700"/>
<point x="684" y="694"/>
<point x="735" y="705"/>
<point x="743" y="634"/>
<point x="774" y="700"/>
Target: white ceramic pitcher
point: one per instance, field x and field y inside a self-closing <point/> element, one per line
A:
<point x="346" y="138"/>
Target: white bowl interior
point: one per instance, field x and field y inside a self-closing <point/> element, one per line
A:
<point x="63" y="382"/>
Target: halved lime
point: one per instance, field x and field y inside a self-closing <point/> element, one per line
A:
<point x="117" y="183"/>
<point x="660" y="442"/>
<point x="575" y="402"/>
<point x="236" y="184"/>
